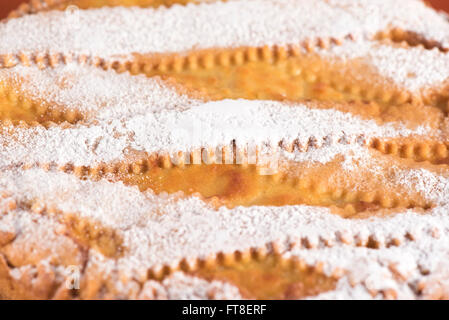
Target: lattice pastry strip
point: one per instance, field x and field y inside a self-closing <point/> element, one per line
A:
<point x="75" y="141"/>
<point x="384" y="73"/>
<point x="71" y="92"/>
<point x="35" y="6"/>
<point x="166" y="249"/>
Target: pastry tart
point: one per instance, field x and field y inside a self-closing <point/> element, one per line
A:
<point x="240" y="149"/>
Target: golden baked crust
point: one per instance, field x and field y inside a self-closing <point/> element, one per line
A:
<point x="220" y="157"/>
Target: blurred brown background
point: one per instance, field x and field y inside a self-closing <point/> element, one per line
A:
<point x="8" y="5"/>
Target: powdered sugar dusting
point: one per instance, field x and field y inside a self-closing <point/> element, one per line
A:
<point x="433" y="187"/>
<point x="70" y="195"/>
<point x="413" y="69"/>
<point x="93" y="91"/>
<point x="117" y="32"/>
<point x="325" y="154"/>
<point x="209" y="124"/>
<point x="163" y="230"/>
<point x="377" y="272"/>
<point x="127" y="113"/>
